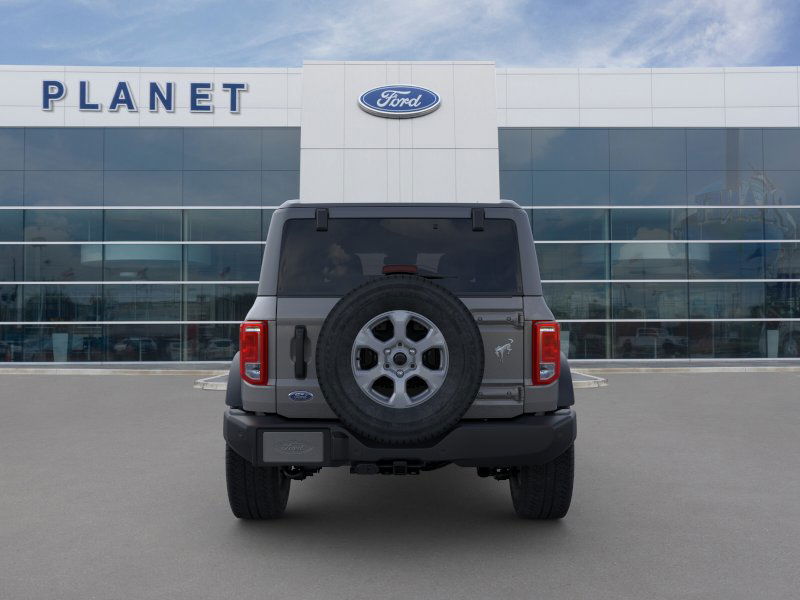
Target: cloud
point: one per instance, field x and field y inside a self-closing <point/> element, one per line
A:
<point x="686" y="33"/>
<point x="586" y="33"/>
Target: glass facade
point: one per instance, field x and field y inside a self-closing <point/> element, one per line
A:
<point x="135" y="244"/>
<point x="664" y="243"/>
<point x="144" y="244"/>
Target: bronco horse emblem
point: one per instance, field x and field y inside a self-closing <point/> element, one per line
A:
<point x="504" y="350"/>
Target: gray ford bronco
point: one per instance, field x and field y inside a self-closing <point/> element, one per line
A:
<point x="399" y="338"/>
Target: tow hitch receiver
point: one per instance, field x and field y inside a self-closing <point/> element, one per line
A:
<point x="397" y="467"/>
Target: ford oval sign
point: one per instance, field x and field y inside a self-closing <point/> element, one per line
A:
<point x="399" y="101"/>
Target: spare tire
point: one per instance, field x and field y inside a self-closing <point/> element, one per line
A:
<point x="399" y="360"/>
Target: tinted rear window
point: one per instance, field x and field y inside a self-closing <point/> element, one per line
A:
<point x="352" y="251"/>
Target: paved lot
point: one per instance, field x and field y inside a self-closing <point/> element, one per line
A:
<point x="688" y="486"/>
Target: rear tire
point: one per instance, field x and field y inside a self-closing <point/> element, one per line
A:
<point x="255" y="492"/>
<point x="544" y="491"/>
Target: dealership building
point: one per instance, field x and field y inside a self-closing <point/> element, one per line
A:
<point x="134" y="202"/>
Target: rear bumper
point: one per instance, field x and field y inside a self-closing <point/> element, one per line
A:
<point x="525" y="440"/>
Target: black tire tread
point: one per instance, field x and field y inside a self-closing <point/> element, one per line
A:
<point x="544" y="491"/>
<point x="254" y="492"/>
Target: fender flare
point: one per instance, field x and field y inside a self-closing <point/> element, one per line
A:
<point x="233" y="393"/>
<point x="566" y="393"/>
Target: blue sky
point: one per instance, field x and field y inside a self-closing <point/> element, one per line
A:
<point x="585" y="33"/>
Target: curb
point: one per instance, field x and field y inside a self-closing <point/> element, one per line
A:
<point x="219" y="383"/>
<point x="57" y="371"/>
<point x="697" y="370"/>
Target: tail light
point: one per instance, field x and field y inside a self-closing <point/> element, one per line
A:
<point x="253" y="352"/>
<point x="546" y="352"/>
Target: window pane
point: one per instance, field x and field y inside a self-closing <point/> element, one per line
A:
<point x="222" y="148"/>
<point x="142" y="302"/>
<point x="351" y="251"/>
<point x="212" y="342"/>
<point x="726" y="224"/>
<point x="727" y="340"/>
<point x="648" y="261"/>
<point x="63" y="149"/>
<point x="572" y="261"/>
<point x="10" y="307"/>
<point x="62" y="343"/>
<point x="570" y="224"/>
<point x="11" y="188"/>
<point x="154" y="262"/>
<point x="143" y="148"/>
<point x="63" y="225"/>
<point x="577" y="300"/>
<point x="726" y="261"/>
<point x="62" y="303"/>
<point x="222" y="225"/>
<point x="143" y="342"/>
<point x="219" y="302"/>
<point x="584" y="340"/>
<point x="648" y="187"/>
<point x="67" y="262"/>
<point x="726" y="300"/>
<point x="142" y="225"/>
<point x="649" y="224"/>
<point x="651" y="339"/>
<point x="65" y="188"/>
<point x="143" y="188"/>
<point x="11" y="339"/>
<point x="570" y="149"/>
<point x="732" y="188"/>
<point x="724" y="149"/>
<point x="12" y="148"/>
<point x="514" y="147"/>
<point x="237" y="262"/>
<point x="10" y="226"/>
<point x="570" y="187"/>
<point x="517" y="186"/>
<point x="783" y="299"/>
<point x="280" y="147"/>
<point x="648" y="149"/>
<point x="783" y="187"/>
<point x="782" y="148"/>
<point x="787" y="339"/>
<point x="11" y="263"/>
<point x="649" y="300"/>
<point x="783" y="261"/>
<point x="221" y="188"/>
<point x="279" y="186"/>
<point x="266" y="218"/>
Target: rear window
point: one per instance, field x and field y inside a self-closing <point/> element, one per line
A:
<point x="353" y="251"/>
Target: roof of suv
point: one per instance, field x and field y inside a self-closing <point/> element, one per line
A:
<point x="487" y="204"/>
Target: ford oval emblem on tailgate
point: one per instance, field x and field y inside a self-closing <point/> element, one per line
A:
<point x="300" y="395"/>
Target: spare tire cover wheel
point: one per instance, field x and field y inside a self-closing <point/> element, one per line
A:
<point x="400" y="360"/>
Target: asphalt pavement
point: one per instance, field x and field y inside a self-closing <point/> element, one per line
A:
<point x="687" y="486"/>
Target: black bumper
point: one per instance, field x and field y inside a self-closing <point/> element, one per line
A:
<point x="524" y="440"/>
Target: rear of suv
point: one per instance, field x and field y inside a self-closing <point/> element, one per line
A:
<point x="394" y="339"/>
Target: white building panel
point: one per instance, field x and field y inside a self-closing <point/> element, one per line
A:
<point x="615" y="90"/>
<point x="474" y="107"/>
<point x="542" y="90"/>
<point x="543" y="117"/>
<point x="408" y="159"/>
<point x="760" y="89"/>
<point x="689" y="90"/>
<point x="689" y="117"/>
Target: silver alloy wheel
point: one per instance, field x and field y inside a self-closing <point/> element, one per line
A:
<point x="399" y="359"/>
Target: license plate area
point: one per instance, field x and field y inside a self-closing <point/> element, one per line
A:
<point x="292" y="447"/>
